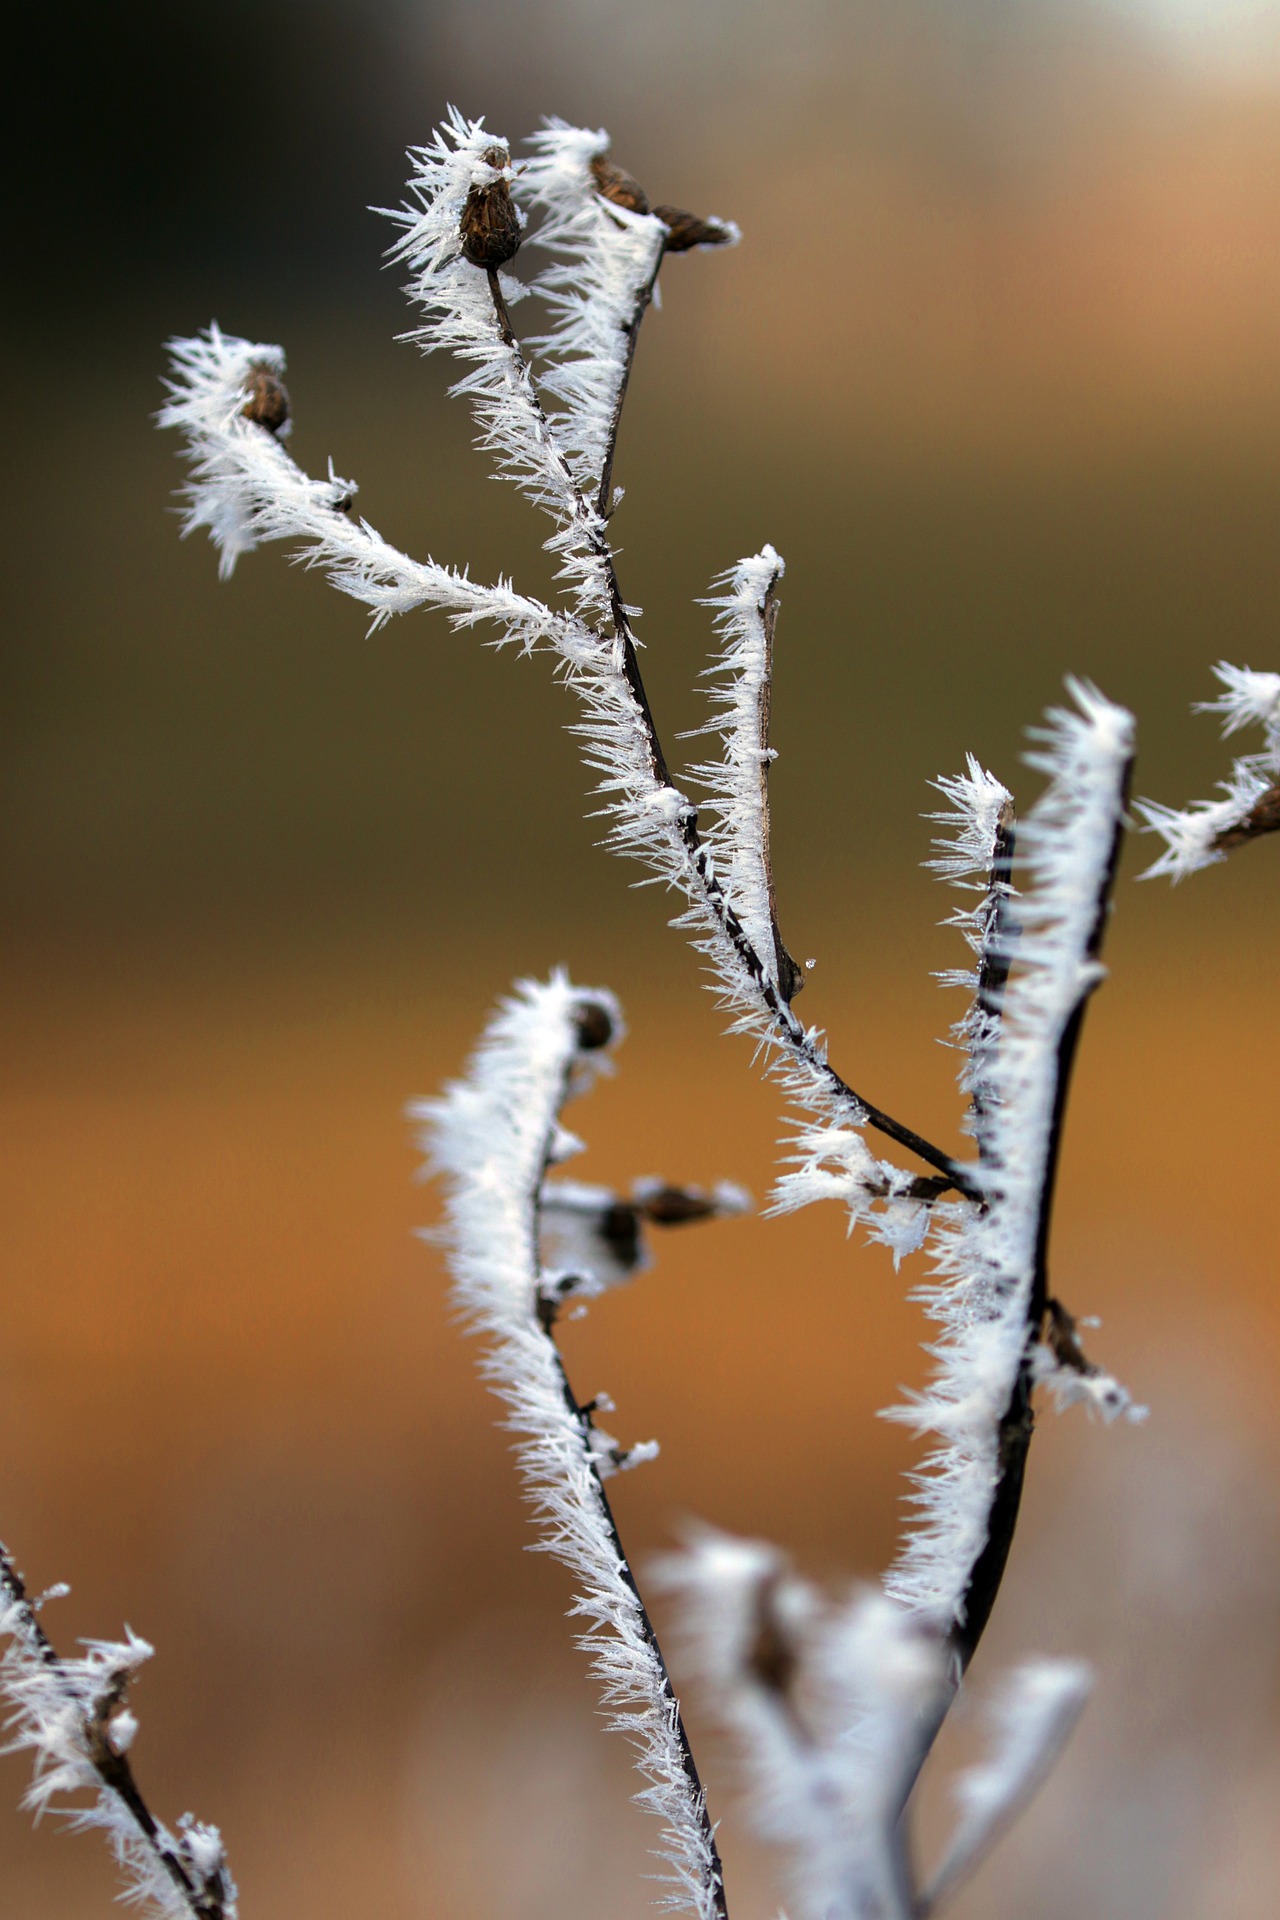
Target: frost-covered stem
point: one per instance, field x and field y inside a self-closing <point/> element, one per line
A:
<point x="643" y="299"/>
<point x="494" y="1135"/>
<point x="1018" y="1420"/>
<point x="208" y="1901"/>
<point x="789" y="1032"/>
<point x="582" y="1414"/>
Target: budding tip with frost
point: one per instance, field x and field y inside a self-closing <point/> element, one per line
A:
<point x="491" y="227"/>
<point x="267" y="399"/>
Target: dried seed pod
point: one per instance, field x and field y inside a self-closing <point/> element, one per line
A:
<point x="594" y="1026"/>
<point x="490" y="224"/>
<point x="671" y="1206"/>
<point x="268" y="401"/>
<point x="685" y="230"/>
<point x="617" y="185"/>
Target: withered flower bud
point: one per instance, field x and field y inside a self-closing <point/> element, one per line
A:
<point x="617" y="185"/>
<point x="685" y="230"/>
<point x="490" y="224"/>
<point x="672" y="1206"/>
<point x="268" y="402"/>
<point x="594" y="1027"/>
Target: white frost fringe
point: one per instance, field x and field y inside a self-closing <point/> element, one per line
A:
<point x="59" y="1708"/>
<point x="490" y="1137"/>
<point x="245" y="489"/>
<point x="985" y="1260"/>
<point x="1191" y="834"/>
<point x="607" y="262"/>
<point x="738" y="794"/>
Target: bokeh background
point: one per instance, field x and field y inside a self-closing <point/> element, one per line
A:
<point x="996" y="370"/>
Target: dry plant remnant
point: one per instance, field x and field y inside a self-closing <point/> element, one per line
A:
<point x="833" y="1702"/>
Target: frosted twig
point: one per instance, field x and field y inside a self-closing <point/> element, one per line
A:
<point x="74" y="1717"/>
<point x="227" y="398"/>
<point x="492" y="1136"/>
<point x="1031" y="1721"/>
<point x="1208" y="830"/>
<point x="459" y="228"/>
<point x="742" y="687"/>
<point x="990" y="1292"/>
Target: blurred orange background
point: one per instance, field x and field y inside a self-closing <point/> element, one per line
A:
<point x="994" y="368"/>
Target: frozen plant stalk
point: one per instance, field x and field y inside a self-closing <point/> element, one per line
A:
<point x="833" y="1702"/>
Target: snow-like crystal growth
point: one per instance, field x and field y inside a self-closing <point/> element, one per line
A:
<point x="71" y="1716"/>
<point x="1203" y="834"/>
<point x="987" y="1258"/>
<point x="489" y="1136"/>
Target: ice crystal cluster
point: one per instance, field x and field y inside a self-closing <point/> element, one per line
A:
<point x="832" y="1701"/>
<point x="1205" y="832"/>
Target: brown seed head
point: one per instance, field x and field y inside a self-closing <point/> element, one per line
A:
<point x="616" y="184"/>
<point x="268" y="402"/>
<point x="594" y="1026"/>
<point x="490" y="224"/>
<point x="672" y="1206"/>
<point x="685" y="230"/>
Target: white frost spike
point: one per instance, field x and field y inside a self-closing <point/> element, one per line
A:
<point x="607" y="266"/>
<point x="824" y="1702"/>
<point x="978" y="801"/>
<point x="738" y="785"/>
<point x="981" y="808"/>
<point x="69" y="1714"/>
<point x="835" y="1163"/>
<point x="1249" y="699"/>
<point x="1193" y="835"/>
<point x="489" y="1137"/>
<point x="1031" y="1720"/>
<point x="985" y="1269"/>
<point x="246" y="489"/>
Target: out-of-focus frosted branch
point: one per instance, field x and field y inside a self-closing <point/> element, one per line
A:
<point x="1205" y="832"/>
<point x="73" y="1717"/>
<point x="1031" y="1720"/>
<point x="823" y="1702"/>
<point x="492" y="1136"/>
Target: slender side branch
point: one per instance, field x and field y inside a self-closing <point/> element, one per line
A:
<point x="600" y="233"/>
<point x="991" y="1284"/>
<point x="1208" y="830"/>
<point x="73" y="1715"/>
<point x="493" y="1136"/>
